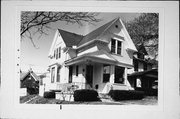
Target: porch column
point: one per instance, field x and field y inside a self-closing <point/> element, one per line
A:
<point x="125" y="76"/>
<point x="112" y="74"/>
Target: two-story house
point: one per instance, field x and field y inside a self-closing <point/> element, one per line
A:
<point x="99" y="60"/>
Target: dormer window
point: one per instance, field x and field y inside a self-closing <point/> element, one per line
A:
<point x="116" y="46"/>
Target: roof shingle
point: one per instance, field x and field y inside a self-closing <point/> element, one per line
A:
<point x="69" y="38"/>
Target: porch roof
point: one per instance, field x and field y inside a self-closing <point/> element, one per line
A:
<point x="100" y="56"/>
<point x="149" y="73"/>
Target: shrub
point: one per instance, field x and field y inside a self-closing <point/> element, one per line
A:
<point x="126" y="94"/>
<point x="49" y="94"/>
<point x="148" y="92"/>
<point x="85" y="95"/>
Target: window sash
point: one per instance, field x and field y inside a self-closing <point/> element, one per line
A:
<point x="58" y="74"/>
<point x="106" y="73"/>
<point x="119" y="46"/>
<point x="52" y="75"/>
<point x="113" y="46"/>
<point x="59" y="52"/>
<point x="116" y="46"/>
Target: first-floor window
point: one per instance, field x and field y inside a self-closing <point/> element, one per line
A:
<point x="52" y="75"/>
<point x="77" y="70"/>
<point x="70" y="73"/>
<point x="119" y="74"/>
<point x="58" y="74"/>
<point x="106" y="73"/>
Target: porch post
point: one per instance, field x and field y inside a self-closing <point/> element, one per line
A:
<point x="125" y="76"/>
<point x="112" y="74"/>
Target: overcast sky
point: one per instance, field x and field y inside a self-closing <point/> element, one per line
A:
<point x="38" y="60"/>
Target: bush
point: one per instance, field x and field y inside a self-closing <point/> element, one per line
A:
<point x="32" y="91"/>
<point x="126" y="94"/>
<point x="49" y="94"/>
<point x="85" y="95"/>
<point x="148" y="92"/>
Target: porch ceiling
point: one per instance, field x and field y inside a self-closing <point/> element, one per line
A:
<point x="89" y="59"/>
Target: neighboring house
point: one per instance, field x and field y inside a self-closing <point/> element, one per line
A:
<point x="44" y="83"/>
<point x="30" y="81"/>
<point x="144" y="75"/>
<point x="99" y="60"/>
<point x="141" y="60"/>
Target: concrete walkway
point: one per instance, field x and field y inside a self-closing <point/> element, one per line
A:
<point x="31" y="99"/>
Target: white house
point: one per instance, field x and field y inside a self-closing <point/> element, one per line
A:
<point x="98" y="60"/>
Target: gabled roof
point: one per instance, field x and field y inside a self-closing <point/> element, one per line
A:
<point x="70" y="39"/>
<point x="145" y="73"/>
<point x="24" y="74"/>
<point x="141" y="49"/>
<point x="94" y="34"/>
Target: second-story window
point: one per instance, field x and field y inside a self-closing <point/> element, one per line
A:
<point x="57" y="53"/>
<point x="116" y="46"/>
<point x="135" y="65"/>
<point x="119" y="46"/>
<point x="113" y="46"/>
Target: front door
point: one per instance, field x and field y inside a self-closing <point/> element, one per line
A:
<point x="89" y="75"/>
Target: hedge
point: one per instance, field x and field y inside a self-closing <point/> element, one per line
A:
<point x="86" y="95"/>
<point x="49" y="94"/>
<point x="125" y="94"/>
<point x="148" y="92"/>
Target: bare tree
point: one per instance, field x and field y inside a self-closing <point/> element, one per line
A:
<point x="37" y="22"/>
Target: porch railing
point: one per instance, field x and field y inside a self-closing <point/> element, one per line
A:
<point x="66" y="87"/>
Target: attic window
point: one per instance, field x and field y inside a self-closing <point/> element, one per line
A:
<point x="116" y="46"/>
<point x="116" y="26"/>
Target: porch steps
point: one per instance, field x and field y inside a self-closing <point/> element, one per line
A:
<point x="104" y="96"/>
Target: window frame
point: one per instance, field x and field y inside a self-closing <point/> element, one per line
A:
<point x="106" y="74"/>
<point x="116" y="48"/>
<point x="58" y="74"/>
<point x="53" y="75"/>
<point x="59" y="53"/>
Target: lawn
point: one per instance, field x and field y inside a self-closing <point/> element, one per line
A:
<point x="24" y="99"/>
<point x="150" y="100"/>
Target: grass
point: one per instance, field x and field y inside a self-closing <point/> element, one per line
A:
<point x="24" y="99"/>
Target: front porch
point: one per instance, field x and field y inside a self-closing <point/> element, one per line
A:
<point x="99" y="72"/>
